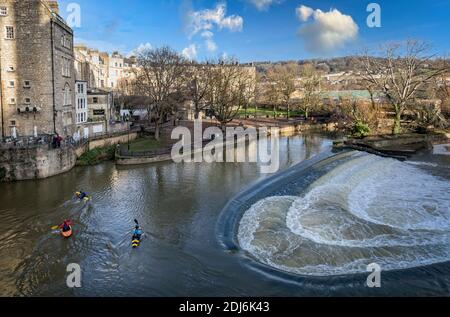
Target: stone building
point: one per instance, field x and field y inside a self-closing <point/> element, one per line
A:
<point x="36" y="69"/>
<point x="100" y="69"/>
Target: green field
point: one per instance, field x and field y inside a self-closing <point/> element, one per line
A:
<point x="146" y="144"/>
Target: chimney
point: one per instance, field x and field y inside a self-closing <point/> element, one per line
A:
<point x="53" y="5"/>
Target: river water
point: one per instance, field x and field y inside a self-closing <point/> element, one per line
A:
<point x="309" y="233"/>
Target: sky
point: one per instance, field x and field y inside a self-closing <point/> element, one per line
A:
<point x="257" y="30"/>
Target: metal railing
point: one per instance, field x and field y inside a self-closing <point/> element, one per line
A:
<point x="125" y="152"/>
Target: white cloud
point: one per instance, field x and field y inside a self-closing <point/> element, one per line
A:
<point x="304" y="13"/>
<point x="327" y="31"/>
<point x="263" y="4"/>
<point x="209" y="19"/>
<point x="141" y="48"/>
<point x="211" y="46"/>
<point x="190" y="52"/>
<point x="207" y="35"/>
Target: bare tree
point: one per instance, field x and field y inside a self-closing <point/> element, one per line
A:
<point x="403" y="70"/>
<point x="311" y="82"/>
<point x="231" y="90"/>
<point x="200" y="83"/>
<point x="284" y="78"/>
<point x="161" y="77"/>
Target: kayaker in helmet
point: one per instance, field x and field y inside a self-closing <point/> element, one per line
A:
<point x="65" y="226"/>
<point x="137" y="233"/>
<point x="81" y="195"/>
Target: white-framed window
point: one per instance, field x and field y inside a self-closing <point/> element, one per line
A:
<point x="80" y="88"/>
<point x="3" y="11"/>
<point x="11" y="84"/>
<point x="9" y="32"/>
<point x="27" y="101"/>
<point x="12" y="101"/>
<point x="26" y="84"/>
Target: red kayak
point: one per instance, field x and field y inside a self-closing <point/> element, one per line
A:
<point x="67" y="234"/>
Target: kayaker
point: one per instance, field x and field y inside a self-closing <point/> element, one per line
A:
<point x="65" y="226"/>
<point x="137" y="233"/>
<point x="81" y="195"/>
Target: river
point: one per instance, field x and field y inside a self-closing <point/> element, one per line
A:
<point x="181" y="208"/>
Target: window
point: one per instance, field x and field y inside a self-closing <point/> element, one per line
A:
<point x="10" y="68"/>
<point x="12" y="101"/>
<point x="66" y="64"/>
<point x="80" y="88"/>
<point x="13" y="122"/>
<point x="3" y="11"/>
<point x="27" y="101"/>
<point x="9" y="32"/>
<point x="66" y="41"/>
<point x="95" y="100"/>
<point x="11" y="84"/>
<point x="67" y="96"/>
<point x="26" y="84"/>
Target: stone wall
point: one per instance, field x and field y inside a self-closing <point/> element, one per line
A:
<point x="111" y="141"/>
<point x="35" y="163"/>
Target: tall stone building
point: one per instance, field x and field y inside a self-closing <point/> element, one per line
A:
<point x="37" y="90"/>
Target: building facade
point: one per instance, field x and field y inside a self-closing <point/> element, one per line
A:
<point x="81" y="113"/>
<point x="37" y="81"/>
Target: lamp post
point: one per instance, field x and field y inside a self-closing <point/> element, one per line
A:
<point x="129" y="131"/>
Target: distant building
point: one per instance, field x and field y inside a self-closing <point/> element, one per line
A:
<point x="36" y="69"/>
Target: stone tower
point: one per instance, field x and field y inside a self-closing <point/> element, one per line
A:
<point x="37" y="81"/>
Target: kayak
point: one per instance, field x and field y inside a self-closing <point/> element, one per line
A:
<point x="136" y="241"/>
<point x="67" y="234"/>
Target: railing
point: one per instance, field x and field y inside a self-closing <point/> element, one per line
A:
<point x="34" y="142"/>
<point x="124" y="151"/>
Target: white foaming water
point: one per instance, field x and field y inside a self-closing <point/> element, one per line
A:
<point x="370" y="209"/>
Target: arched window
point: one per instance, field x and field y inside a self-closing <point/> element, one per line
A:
<point x="67" y="95"/>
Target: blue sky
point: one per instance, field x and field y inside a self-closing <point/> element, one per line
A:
<point x="241" y="28"/>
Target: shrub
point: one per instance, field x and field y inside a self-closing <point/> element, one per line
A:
<point x="361" y="130"/>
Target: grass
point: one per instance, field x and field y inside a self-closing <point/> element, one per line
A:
<point x="146" y="144"/>
<point x="97" y="156"/>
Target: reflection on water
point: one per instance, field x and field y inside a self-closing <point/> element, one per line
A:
<point x="177" y="205"/>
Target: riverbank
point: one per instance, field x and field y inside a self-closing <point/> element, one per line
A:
<point x="399" y="146"/>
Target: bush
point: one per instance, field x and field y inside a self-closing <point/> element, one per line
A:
<point x="361" y="130"/>
<point x="97" y="156"/>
